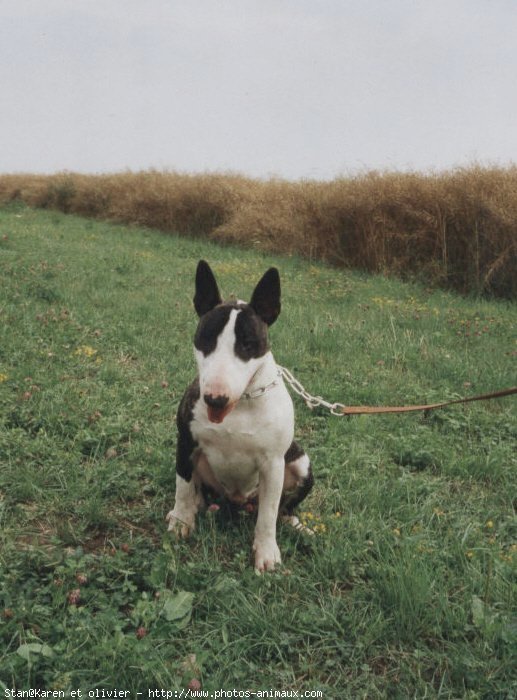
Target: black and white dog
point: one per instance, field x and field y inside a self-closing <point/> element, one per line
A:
<point x="236" y="420"/>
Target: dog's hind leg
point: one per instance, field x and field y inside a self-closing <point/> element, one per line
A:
<point x="298" y="482"/>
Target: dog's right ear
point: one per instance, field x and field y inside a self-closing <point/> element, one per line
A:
<point x="207" y="292"/>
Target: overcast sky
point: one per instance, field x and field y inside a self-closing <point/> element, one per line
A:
<point x="289" y="88"/>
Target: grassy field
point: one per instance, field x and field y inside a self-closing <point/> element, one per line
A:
<point x="408" y="590"/>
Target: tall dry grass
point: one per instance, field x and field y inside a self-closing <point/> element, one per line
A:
<point x="457" y="229"/>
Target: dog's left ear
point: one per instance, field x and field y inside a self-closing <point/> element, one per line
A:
<point x="265" y="300"/>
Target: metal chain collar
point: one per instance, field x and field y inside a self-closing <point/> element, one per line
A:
<point x="263" y="389"/>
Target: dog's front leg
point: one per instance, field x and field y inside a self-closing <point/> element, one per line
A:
<point x="266" y="550"/>
<point x="182" y="519"/>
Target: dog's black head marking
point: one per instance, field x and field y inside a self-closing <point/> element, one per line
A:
<point x="250" y="334"/>
<point x="210" y="326"/>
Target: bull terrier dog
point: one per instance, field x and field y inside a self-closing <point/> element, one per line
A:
<point x="236" y="420"/>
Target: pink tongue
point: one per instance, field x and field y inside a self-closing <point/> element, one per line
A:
<point x="216" y="415"/>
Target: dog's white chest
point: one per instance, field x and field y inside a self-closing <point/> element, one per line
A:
<point x="244" y="443"/>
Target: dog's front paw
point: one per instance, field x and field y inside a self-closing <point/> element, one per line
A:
<point x="180" y="524"/>
<point x="267" y="555"/>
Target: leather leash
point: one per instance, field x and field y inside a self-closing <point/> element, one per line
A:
<point x="359" y="410"/>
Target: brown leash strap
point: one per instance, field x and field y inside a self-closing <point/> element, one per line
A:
<point x="358" y="410"/>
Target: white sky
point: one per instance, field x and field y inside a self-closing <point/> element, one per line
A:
<point x="290" y="88"/>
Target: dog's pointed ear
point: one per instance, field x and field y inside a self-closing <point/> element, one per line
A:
<point x="207" y="292"/>
<point x="265" y="300"/>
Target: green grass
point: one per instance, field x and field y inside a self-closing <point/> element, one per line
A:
<point x="408" y="590"/>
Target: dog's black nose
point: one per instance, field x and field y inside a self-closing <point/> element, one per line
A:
<point x="215" y="401"/>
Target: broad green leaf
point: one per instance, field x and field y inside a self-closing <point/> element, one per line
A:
<point x="25" y="650"/>
<point x="178" y="607"/>
<point x="478" y="611"/>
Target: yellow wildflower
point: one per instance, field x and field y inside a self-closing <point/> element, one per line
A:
<point x="307" y="515"/>
<point x="423" y="549"/>
<point x="320" y="528"/>
<point x="85" y="350"/>
<point x="3" y="377"/>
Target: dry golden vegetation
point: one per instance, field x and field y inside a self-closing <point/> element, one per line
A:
<point x="456" y="229"/>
